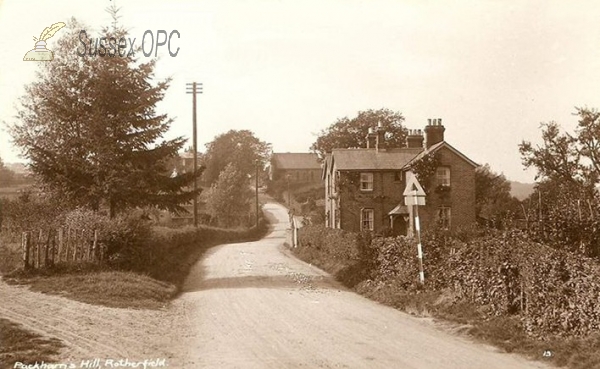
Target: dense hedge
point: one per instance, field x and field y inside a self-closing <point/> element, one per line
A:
<point x="344" y="254"/>
<point x="168" y="253"/>
<point x="552" y="291"/>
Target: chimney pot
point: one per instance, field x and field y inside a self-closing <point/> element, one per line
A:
<point x="434" y="133"/>
<point x="414" y="139"/>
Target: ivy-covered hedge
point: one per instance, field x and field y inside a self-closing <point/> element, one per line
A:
<point x="344" y="254"/>
<point x="553" y="291"/>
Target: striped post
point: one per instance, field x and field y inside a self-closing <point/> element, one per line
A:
<point x="419" y="246"/>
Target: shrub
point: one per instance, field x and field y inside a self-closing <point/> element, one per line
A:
<point x="168" y="253"/>
<point x="29" y="212"/>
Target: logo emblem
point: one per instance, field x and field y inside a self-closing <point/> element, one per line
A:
<point x="40" y="53"/>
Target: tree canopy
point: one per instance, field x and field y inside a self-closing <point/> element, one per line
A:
<point x="228" y="200"/>
<point x="91" y="131"/>
<point x="493" y="200"/>
<point x="236" y="146"/>
<point x="565" y="157"/>
<point x="351" y="132"/>
<point x="565" y="205"/>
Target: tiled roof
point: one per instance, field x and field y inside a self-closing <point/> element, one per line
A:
<point x="437" y="146"/>
<point x="358" y="159"/>
<point x="295" y="161"/>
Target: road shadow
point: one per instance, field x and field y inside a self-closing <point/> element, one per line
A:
<point x="290" y="281"/>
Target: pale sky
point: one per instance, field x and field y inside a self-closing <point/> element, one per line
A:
<point x="492" y="70"/>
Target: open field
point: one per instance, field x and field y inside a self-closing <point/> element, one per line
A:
<point x="12" y="192"/>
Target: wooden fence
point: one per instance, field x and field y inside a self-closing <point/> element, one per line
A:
<point x="44" y="249"/>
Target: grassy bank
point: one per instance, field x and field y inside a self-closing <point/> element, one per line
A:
<point x="20" y="345"/>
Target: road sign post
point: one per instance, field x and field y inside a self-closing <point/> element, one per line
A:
<point x="414" y="196"/>
<point x="418" y="231"/>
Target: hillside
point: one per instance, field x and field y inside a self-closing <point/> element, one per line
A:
<point x="521" y="190"/>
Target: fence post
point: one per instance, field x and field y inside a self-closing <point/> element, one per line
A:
<point x="53" y="244"/>
<point x="75" y="245"/>
<point x="25" y="244"/>
<point x="60" y="242"/>
<point x="68" y="244"/>
<point x="95" y="245"/>
<point x="102" y="252"/>
<point x="38" y="250"/>
<point x="88" y="248"/>
<point x="82" y="245"/>
<point x="47" y="249"/>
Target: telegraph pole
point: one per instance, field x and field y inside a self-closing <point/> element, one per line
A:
<point x="194" y="89"/>
<point x="256" y="189"/>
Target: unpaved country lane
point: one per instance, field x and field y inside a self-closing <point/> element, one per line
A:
<point x="253" y="305"/>
<point x="89" y="332"/>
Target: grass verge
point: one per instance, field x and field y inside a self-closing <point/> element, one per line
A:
<point x="20" y="345"/>
<point x="463" y="317"/>
<point x="94" y="284"/>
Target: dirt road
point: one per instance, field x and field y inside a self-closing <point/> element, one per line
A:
<point x="252" y="305"/>
<point x="89" y="332"/>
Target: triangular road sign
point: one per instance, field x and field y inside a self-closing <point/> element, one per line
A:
<point x="412" y="184"/>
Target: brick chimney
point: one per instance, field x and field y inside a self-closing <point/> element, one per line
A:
<point x="434" y="132"/>
<point x="371" y="138"/>
<point x="415" y="139"/>
<point x="380" y="143"/>
<point x="376" y="137"/>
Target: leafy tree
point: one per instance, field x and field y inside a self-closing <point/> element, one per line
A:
<point x="563" y="211"/>
<point x="229" y="197"/>
<point x="565" y="157"/>
<point x="493" y="200"/>
<point x="348" y="133"/>
<point x="240" y="147"/>
<point x="90" y="128"/>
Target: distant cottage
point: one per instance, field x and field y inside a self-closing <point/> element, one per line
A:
<point x="300" y="168"/>
<point x="364" y="187"/>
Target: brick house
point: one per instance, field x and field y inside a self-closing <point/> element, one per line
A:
<point x="364" y="187"/>
<point x="302" y="168"/>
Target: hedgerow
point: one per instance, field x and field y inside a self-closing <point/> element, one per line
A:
<point x="551" y="291"/>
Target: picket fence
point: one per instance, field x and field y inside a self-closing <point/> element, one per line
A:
<point x="46" y="248"/>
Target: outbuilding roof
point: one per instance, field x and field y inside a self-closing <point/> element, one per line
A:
<point x="295" y="161"/>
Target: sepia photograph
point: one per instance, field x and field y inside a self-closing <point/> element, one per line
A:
<point x="394" y="184"/>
